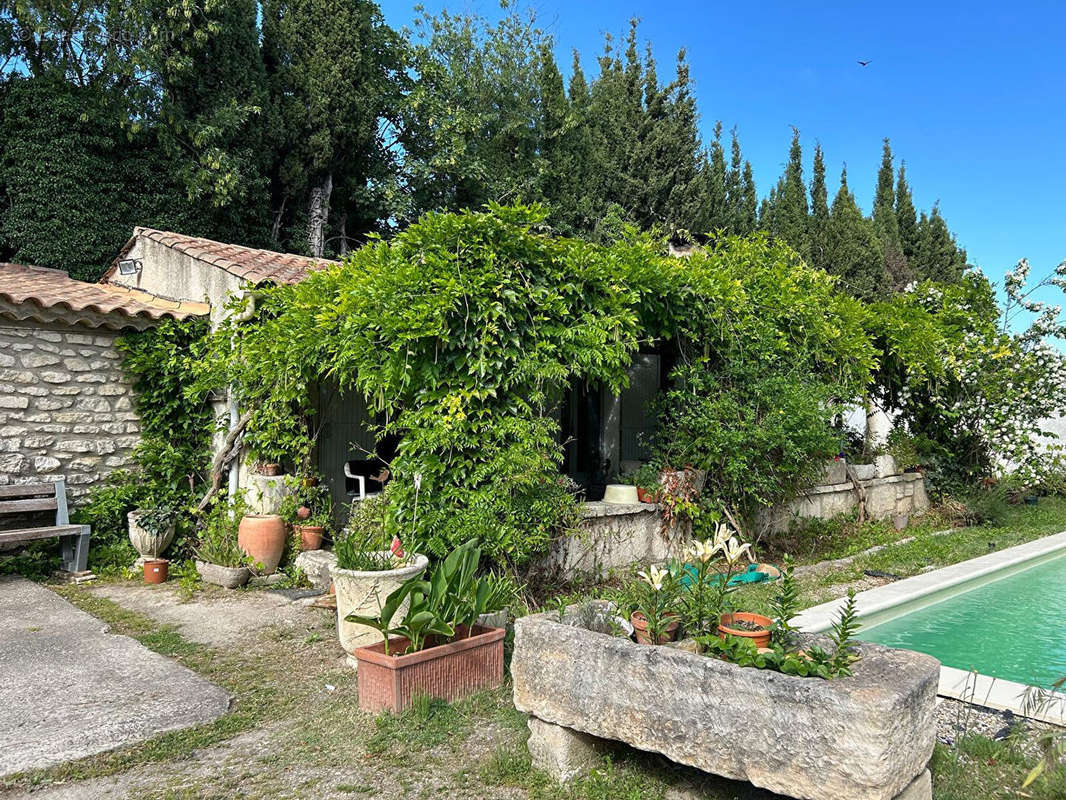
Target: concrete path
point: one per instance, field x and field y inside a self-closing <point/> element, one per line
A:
<point x="70" y="689"/>
<point x="217" y="619"/>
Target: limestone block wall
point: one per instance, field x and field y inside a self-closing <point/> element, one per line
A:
<point x="65" y="407"/>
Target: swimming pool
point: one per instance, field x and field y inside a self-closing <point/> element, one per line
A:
<point x="997" y="623"/>
<point x="1013" y="628"/>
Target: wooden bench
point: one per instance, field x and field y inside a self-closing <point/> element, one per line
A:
<point x="30" y="497"/>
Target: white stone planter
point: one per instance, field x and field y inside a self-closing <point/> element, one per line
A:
<point x="226" y="577"/>
<point x="865" y="737"/>
<point x="363" y="593"/>
<point x="146" y="544"/>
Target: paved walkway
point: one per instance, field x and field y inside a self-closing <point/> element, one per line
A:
<point x="70" y="689"/>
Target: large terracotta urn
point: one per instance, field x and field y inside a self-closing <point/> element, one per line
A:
<point x="262" y="537"/>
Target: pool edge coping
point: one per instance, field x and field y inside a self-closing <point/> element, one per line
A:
<point x="969" y="686"/>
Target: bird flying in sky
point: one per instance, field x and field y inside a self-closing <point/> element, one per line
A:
<point x="863" y="63"/>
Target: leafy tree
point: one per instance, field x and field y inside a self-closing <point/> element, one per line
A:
<point x="335" y="71"/>
<point x="790" y="212"/>
<point x="854" y="249"/>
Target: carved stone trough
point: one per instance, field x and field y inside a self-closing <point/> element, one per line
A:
<point x="866" y="737"/>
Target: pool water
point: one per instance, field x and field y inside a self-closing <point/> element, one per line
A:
<point x="1013" y="628"/>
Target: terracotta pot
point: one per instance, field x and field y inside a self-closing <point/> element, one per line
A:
<point x="644" y="496"/>
<point x="450" y="671"/>
<point x="310" y="536"/>
<point x="303" y="512"/>
<point x="270" y="470"/>
<point x="155" y="570"/>
<point x="262" y="537"/>
<point x="761" y="638"/>
<point x="640" y="628"/>
<point x="226" y="577"/>
<point x="362" y="592"/>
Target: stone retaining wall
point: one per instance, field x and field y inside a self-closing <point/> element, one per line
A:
<point x="66" y="410"/>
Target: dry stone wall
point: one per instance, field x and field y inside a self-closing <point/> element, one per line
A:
<point x="66" y="410"/>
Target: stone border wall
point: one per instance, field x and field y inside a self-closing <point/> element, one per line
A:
<point x="66" y="410"/>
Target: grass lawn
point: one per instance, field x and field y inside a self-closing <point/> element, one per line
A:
<point x="294" y="730"/>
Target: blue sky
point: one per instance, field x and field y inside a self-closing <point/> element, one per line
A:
<point x="972" y="96"/>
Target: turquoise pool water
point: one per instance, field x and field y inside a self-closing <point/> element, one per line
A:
<point x="1013" y="628"/>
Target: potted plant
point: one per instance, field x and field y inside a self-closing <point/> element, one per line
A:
<point x="646" y="479"/>
<point x="370" y="566"/>
<point x="308" y="507"/>
<point x="219" y="559"/>
<point x="654" y="619"/>
<point x="436" y="648"/>
<point x="151" y="530"/>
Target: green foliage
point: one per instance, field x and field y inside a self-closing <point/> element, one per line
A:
<point x="855" y="252"/>
<point x="784" y="605"/>
<point x="218" y="532"/>
<point x="364" y="544"/>
<point x="842" y="635"/>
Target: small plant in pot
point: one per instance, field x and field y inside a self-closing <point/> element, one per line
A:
<point x="435" y="648"/>
<point x="654" y="618"/>
<point x="151" y="529"/>
<point x="371" y="564"/>
<point x="219" y="559"/>
<point x="646" y="479"/>
<point x="308" y="507"/>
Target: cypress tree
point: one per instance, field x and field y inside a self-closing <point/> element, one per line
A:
<point x="734" y="188"/>
<point x="790" y="212"/>
<point x="906" y="218"/>
<point x="938" y="257"/>
<point x="854" y="247"/>
<point x="884" y="218"/>
<point x="749" y="202"/>
<point x="715" y="205"/>
<point x="819" y="227"/>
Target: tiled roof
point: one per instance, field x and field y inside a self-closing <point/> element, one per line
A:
<point x="256" y="266"/>
<point x="36" y="289"/>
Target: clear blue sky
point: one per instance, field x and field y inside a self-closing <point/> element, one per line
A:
<point x="972" y="96"/>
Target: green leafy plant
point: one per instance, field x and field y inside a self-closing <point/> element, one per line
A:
<point x="218" y="532"/>
<point x="842" y="635"/>
<point x="364" y="544"/>
<point x="655" y="596"/>
<point x="784" y="604"/>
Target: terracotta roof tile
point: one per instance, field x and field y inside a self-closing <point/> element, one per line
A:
<point x="257" y="266"/>
<point x="53" y="289"/>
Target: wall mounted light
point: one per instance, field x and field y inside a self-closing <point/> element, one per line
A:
<point x="129" y="266"/>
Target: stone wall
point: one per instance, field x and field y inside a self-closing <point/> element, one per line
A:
<point x="65" y="409"/>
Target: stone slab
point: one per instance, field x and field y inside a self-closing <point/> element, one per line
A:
<point x="561" y="752"/>
<point x="317" y="565"/>
<point x="865" y="737"/>
<point x="71" y="689"/>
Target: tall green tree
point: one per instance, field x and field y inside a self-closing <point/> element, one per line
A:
<point x="336" y="71"/>
<point x="854" y="247"/>
<point x="937" y="257"/>
<point x="819" y="221"/>
<point x="885" y="222"/>
<point x="787" y="210"/>
<point x="906" y="217"/>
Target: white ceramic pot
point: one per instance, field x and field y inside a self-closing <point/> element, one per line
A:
<point x="364" y="592"/>
<point x="620" y="493"/>
<point x="146" y="544"/>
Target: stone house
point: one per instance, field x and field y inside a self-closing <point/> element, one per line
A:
<point x="66" y="410"/>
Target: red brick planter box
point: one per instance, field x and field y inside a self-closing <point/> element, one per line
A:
<point x="449" y="671"/>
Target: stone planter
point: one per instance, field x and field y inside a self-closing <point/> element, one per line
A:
<point x="364" y="592"/>
<point x="146" y="544"/>
<point x="226" y="577"/>
<point x="865" y="737"/>
<point x="449" y="671"/>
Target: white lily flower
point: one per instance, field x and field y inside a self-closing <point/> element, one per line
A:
<point x="654" y="577"/>
<point x="703" y="551"/>
<point x="734" y="550"/>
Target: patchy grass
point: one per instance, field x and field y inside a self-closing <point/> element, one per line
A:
<point x="978" y="767"/>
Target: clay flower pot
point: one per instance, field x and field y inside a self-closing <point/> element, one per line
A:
<point x="644" y="496"/>
<point x="310" y="536"/>
<point x="727" y="626"/>
<point x="155" y="570"/>
<point x="262" y="537"/>
<point x="270" y="470"/>
<point x="640" y="628"/>
<point x="303" y="512"/>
